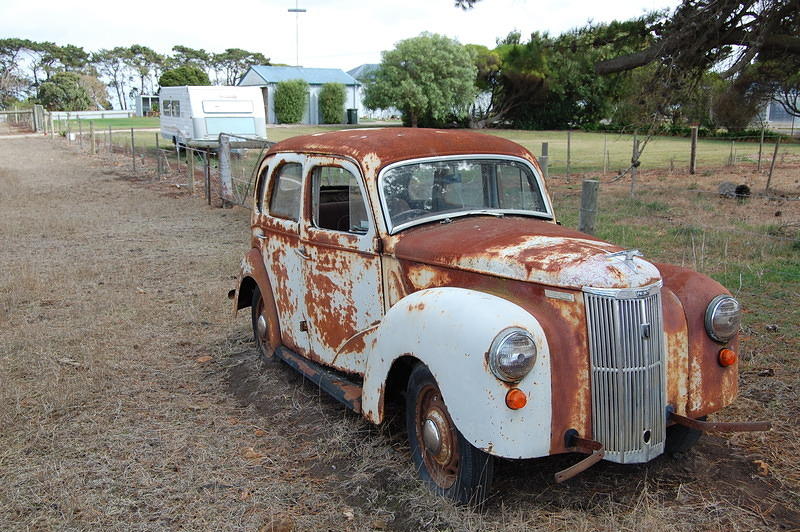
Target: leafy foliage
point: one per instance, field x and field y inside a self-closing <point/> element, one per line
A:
<point x="430" y="78"/>
<point x="291" y="98"/>
<point x="757" y="42"/>
<point x="547" y="82"/>
<point x="184" y="75"/>
<point x="63" y="92"/>
<point x="331" y="103"/>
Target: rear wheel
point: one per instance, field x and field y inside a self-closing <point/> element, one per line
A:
<point x="680" y="438"/>
<point x="260" y="325"/>
<point x="445" y="461"/>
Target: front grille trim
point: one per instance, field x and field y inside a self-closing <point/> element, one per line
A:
<point x="628" y="371"/>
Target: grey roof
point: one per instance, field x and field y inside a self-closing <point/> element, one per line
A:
<point x="313" y="76"/>
<point x="363" y="71"/>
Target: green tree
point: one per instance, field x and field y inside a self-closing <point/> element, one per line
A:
<point x="753" y="43"/>
<point x="291" y="98"/>
<point x="145" y="62"/>
<point x="96" y="90"/>
<point x="63" y="92"/>
<point x="430" y="78"/>
<point x="13" y="81"/>
<point x="233" y="63"/>
<point x="114" y="64"/>
<point x="184" y="75"/>
<point x="332" y="97"/>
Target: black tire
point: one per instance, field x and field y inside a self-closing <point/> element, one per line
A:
<point x="456" y="470"/>
<point x="262" y="340"/>
<point x="680" y="438"/>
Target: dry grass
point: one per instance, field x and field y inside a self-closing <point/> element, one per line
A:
<point x="113" y="290"/>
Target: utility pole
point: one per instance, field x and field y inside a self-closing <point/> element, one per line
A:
<point x="297" y="11"/>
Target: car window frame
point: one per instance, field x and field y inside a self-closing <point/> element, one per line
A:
<point x="274" y="169"/>
<point x="394" y="229"/>
<point x="313" y="219"/>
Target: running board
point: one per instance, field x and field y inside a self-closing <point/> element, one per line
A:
<point x="346" y="392"/>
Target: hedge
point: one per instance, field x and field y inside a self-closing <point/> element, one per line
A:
<point x="331" y="103"/>
<point x="290" y="101"/>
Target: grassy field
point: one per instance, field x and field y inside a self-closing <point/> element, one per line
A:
<point x="137" y="122"/>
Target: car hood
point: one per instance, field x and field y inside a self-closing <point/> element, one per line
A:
<point x="525" y="249"/>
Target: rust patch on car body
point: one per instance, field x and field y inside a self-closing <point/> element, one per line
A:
<point x="524" y="249"/>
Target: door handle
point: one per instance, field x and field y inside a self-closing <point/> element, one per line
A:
<point x="302" y="252"/>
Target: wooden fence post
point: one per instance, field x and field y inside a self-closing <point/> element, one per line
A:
<point x="207" y="175"/>
<point x="588" y="212"/>
<point x="225" y="177"/>
<point x="91" y="137"/>
<point x="544" y="160"/>
<point x="133" y="152"/>
<point x="760" y="150"/>
<point x="158" y="158"/>
<point x="80" y="133"/>
<point x="772" y="164"/>
<point x="693" y="155"/>
<point x="569" y="151"/>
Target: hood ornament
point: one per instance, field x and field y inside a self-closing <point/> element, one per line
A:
<point x="628" y="255"/>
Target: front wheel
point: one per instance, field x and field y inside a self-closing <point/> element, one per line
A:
<point x="260" y="325"/>
<point x="445" y="461"/>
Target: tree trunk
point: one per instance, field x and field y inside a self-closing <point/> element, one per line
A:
<point x="414" y="120"/>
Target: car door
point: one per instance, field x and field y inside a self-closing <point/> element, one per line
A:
<point x="344" y="296"/>
<point x="281" y="247"/>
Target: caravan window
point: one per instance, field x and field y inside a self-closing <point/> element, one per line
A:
<point x="176" y="108"/>
<point x="166" y="108"/>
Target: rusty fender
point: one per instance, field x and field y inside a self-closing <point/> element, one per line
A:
<point x="252" y="271"/>
<point x="451" y="330"/>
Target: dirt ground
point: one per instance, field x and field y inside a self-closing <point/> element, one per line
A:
<point x="131" y="399"/>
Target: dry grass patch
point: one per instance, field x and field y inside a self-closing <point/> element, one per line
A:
<point x="131" y="399"/>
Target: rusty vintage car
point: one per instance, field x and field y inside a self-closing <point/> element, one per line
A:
<point x="425" y="269"/>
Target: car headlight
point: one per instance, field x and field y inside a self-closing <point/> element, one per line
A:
<point x="722" y="318"/>
<point x="512" y="355"/>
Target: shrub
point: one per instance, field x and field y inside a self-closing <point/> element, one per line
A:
<point x="184" y="75"/>
<point x="331" y="103"/>
<point x="290" y="101"/>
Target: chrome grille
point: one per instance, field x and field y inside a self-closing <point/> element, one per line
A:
<point x="626" y="344"/>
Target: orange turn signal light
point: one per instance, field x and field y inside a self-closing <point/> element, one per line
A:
<point x="516" y="399"/>
<point x="727" y="357"/>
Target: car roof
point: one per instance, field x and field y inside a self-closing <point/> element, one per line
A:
<point x="378" y="147"/>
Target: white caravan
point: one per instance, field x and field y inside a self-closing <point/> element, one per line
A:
<point x="197" y="115"/>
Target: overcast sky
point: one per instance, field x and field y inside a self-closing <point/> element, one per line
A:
<point x="336" y="33"/>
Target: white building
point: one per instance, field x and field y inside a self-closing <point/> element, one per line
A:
<point x="268" y="77"/>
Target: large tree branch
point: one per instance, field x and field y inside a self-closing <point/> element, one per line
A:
<point x="644" y="57"/>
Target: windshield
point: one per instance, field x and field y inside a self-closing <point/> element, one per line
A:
<point x="453" y="187"/>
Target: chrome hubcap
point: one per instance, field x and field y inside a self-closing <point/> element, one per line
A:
<point x="431" y="436"/>
<point x="261" y="325"/>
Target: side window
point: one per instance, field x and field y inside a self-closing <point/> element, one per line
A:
<point x="176" y="108"/>
<point x="167" y="108"/>
<point x="285" y="200"/>
<point x="338" y="204"/>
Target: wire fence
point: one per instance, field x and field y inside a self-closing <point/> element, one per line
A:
<point x="221" y="172"/>
<point x="751" y="244"/>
